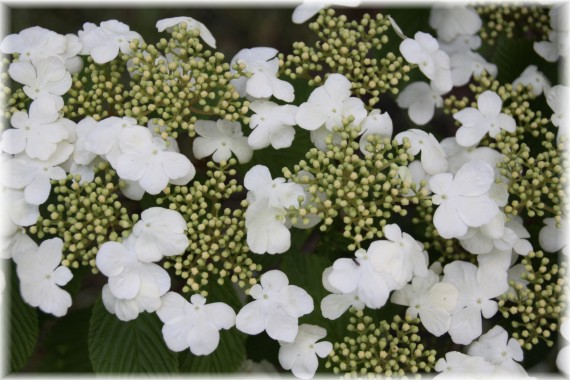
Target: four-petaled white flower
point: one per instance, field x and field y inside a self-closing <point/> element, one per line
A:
<point x="160" y="232"/>
<point x="463" y="199"/>
<point x="424" y="51"/>
<point x="496" y="347"/>
<point x="191" y="24"/>
<point x="276" y="308"/>
<point x="467" y="64"/>
<point x="432" y="300"/>
<point x="433" y="158"/>
<point x="17" y="211"/>
<point x="263" y="64"/>
<point x="300" y="356"/>
<point x="41" y="276"/>
<point x="329" y="104"/>
<point x="33" y="44"/>
<point x="558" y="44"/>
<point x="37" y="133"/>
<point x="103" y="42"/>
<point x="45" y="77"/>
<point x="376" y="123"/>
<point x="144" y="159"/>
<point x="458" y="364"/>
<point x="451" y="22"/>
<point x="271" y="124"/>
<point x="557" y="98"/>
<point x="552" y="236"/>
<point x="421" y="100"/>
<point x="476" y="289"/>
<point x="531" y="76"/>
<point x="335" y="304"/>
<point x="103" y="139"/>
<point x="221" y="138"/>
<point x="401" y="256"/>
<point x="195" y="324"/>
<point x="461" y="44"/>
<point x="476" y="123"/>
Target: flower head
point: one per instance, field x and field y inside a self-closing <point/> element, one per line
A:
<point x="222" y="138"/>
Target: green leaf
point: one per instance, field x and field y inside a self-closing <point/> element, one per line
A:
<point x="135" y="346"/>
<point x="512" y="57"/>
<point x="228" y="356"/>
<point x="23" y="326"/>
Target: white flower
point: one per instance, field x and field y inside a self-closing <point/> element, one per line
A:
<point x="557" y="98"/>
<point x="496" y="347"/>
<point x="271" y="124"/>
<point x="222" y="138"/>
<point x="433" y="158"/>
<point x="41" y="276"/>
<point x="467" y="64"/>
<point x="36" y="133"/>
<point x="421" y="100"/>
<point x="329" y="104"/>
<point x="334" y="305"/>
<point x="103" y="42"/>
<point x="450" y="22"/>
<point x="309" y="8"/>
<point x="127" y="275"/>
<point x="531" y="76"/>
<point x="45" y="77"/>
<point x="376" y="123"/>
<point x="401" y="256"/>
<point x="263" y="64"/>
<point x="558" y="44"/>
<point x="276" y="308"/>
<point x="103" y="139"/>
<point x="145" y="159"/>
<point x="552" y="236"/>
<point x="476" y="123"/>
<point x="34" y="176"/>
<point x="460" y="364"/>
<point x="193" y="324"/>
<point x="357" y="276"/>
<point x="33" y="44"/>
<point x="160" y="232"/>
<point x="73" y="62"/>
<point x="461" y="44"/>
<point x="266" y="227"/>
<point x="300" y="356"/>
<point x="191" y="24"/>
<point x="476" y="289"/>
<point x="81" y="155"/>
<point x="281" y="194"/>
<point x="562" y="359"/>
<point x="17" y="210"/>
<point x="424" y="51"/>
<point x="463" y="199"/>
<point x="432" y="300"/>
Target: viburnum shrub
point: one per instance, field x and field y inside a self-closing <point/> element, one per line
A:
<point x="376" y="200"/>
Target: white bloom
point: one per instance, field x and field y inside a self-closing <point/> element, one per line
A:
<point x="41" y="276"/>
<point x="432" y="300"/>
<point x="450" y="22"/>
<point x="263" y="64"/>
<point x="103" y="139"/>
<point x="103" y="42"/>
<point x="376" y="123"/>
<point x="460" y="364"/>
<point x="281" y="194"/>
<point x="271" y="124"/>
<point x="33" y="44"/>
<point x="193" y="324"/>
<point x="127" y="275"/>
<point x="334" y="305"/>
<point x="266" y="228"/>
<point x="531" y="76"/>
<point x="191" y="24"/>
<point x="34" y="176"/>
<point x="300" y="356"/>
<point x="36" y="133"/>
<point x="329" y="104"/>
<point x="73" y="63"/>
<point x="357" y="276"/>
<point x="401" y="256"/>
<point x="18" y="211"/>
<point x="463" y="199"/>
<point x="222" y="138"/>
<point x="160" y="232"/>
<point x="557" y="98"/>
<point x="461" y="44"/>
<point x="562" y="359"/>
<point x="45" y="77"/>
<point x="421" y="100"/>
<point x="424" y="51"/>
<point x="558" y="44"/>
<point x="433" y="158"/>
<point x="496" y="347"/>
<point x="476" y="123"/>
<point x="81" y="155"/>
<point x="553" y="237"/>
<point x="276" y="308"/>
<point x="309" y="8"/>
<point x="467" y="64"/>
<point x="145" y="159"/>
<point x="476" y="289"/>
